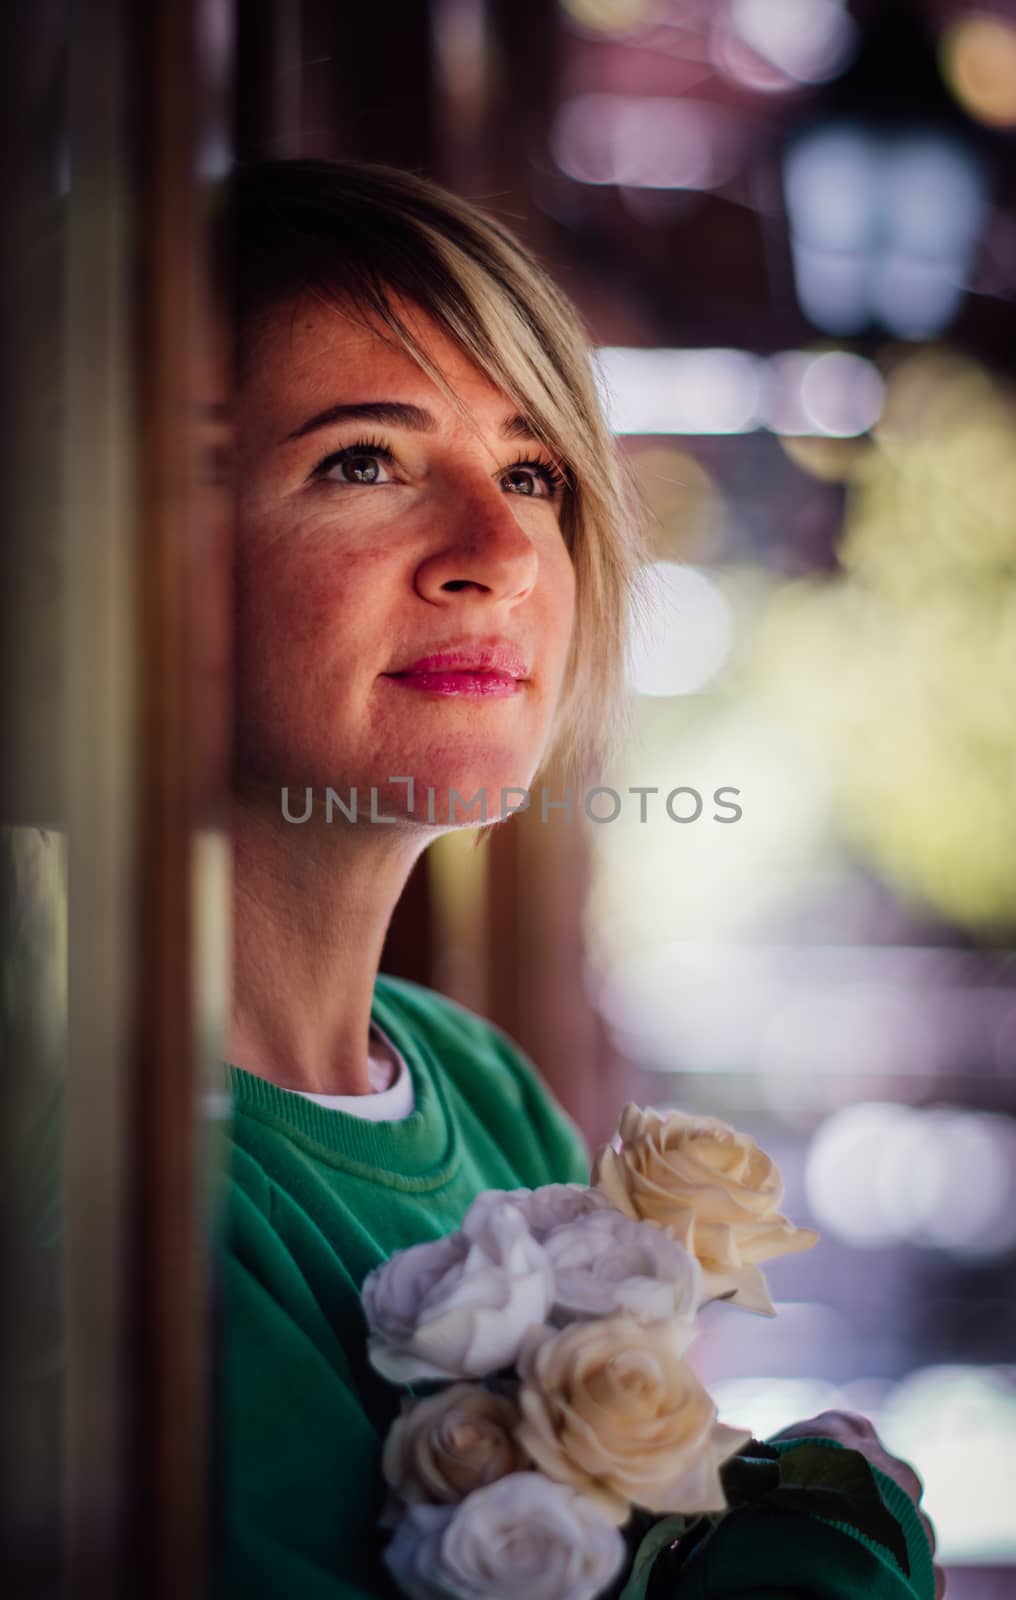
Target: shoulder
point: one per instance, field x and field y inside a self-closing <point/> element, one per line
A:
<point x="481" y="1059"/>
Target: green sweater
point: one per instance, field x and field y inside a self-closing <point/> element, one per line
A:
<point x="318" y="1198"/>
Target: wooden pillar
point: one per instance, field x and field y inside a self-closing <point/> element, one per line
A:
<point x="145" y="579"/>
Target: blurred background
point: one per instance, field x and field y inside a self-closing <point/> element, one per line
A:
<point x="790" y="226"/>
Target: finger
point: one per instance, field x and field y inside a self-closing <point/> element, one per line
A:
<point x="834" y="1423"/>
<point x="908" y="1480"/>
<point x="929" y="1532"/>
<point x="856" y="1422"/>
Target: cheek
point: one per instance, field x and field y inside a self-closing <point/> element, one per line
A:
<point x="309" y="600"/>
<point x="311" y="629"/>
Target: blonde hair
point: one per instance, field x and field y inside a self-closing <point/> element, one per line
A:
<point x="365" y="234"/>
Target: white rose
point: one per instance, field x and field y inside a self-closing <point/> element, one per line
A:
<point x="458" y="1307"/>
<point x="605" y="1262"/>
<point x="444" y="1447"/>
<point x="552" y="1206"/>
<point x="712" y="1188"/>
<point x="611" y="1409"/>
<point x="522" y="1538"/>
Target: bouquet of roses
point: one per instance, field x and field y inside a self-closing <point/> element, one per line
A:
<point x="551" y="1332"/>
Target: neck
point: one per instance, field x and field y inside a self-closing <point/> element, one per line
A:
<point x="311" y="907"/>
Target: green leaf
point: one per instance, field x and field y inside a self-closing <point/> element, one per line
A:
<point x="751" y="1474"/>
<point x="839" y="1484"/>
<point x="810" y="1480"/>
<point x="660" y="1537"/>
<point x="757" y="1448"/>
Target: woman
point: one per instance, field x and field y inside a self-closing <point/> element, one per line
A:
<point x="434" y="559"/>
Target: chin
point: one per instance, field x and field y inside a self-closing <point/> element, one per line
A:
<point x="463" y="797"/>
<point x="447" y="774"/>
<point x="496" y="773"/>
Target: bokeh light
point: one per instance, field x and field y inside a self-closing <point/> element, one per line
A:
<point x="809" y="41"/>
<point x="671" y="909"/>
<point x="978" y="56"/>
<point x="956" y="1421"/>
<point x="680" y="391"/>
<point x="686" y="509"/>
<point x="771" y="1403"/>
<point x="609" y="17"/>
<point x="835" y="394"/>
<point x="645" y="141"/>
<point x="681" y="633"/>
<point x="831" y="393"/>
<point x="883" y="228"/>
<point x="853" y="1023"/>
<point x="899" y="672"/>
<point x="879" y="1172"/>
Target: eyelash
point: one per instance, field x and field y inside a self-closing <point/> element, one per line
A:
<point x="552" y="476"/>
<point x="362" y="447"/>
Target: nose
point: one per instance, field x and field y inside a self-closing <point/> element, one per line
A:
<point x="485" y="552"/>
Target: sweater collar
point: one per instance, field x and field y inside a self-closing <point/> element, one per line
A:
<point x="419" y="1152"/>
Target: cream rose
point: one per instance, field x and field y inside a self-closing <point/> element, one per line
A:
<point x="457" y="1307"/>
<point x="610" y="1408"/>
<point x="712" y="1188"/>
<point x="521" y="1538"/>
<point x="444" y="1447"/>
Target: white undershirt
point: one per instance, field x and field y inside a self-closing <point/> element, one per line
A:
<point x="390" y="1104"/>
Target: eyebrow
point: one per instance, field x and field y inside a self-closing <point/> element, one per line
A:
<point x="397" y="414"/>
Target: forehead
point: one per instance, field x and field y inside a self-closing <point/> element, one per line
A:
<point x="303" y="353"/>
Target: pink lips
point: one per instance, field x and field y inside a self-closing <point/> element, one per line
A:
<point x="491" y="672"/>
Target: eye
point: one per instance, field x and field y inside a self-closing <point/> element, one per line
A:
<point x="367" y="462"/>
<point x="533" y="477"/>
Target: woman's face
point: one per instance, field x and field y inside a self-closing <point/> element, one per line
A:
<point x="377" y="529"/>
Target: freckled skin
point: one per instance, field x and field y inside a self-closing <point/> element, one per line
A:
<point x="339" y="583"/>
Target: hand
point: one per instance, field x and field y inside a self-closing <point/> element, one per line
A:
<point x="856" y="1433"/>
